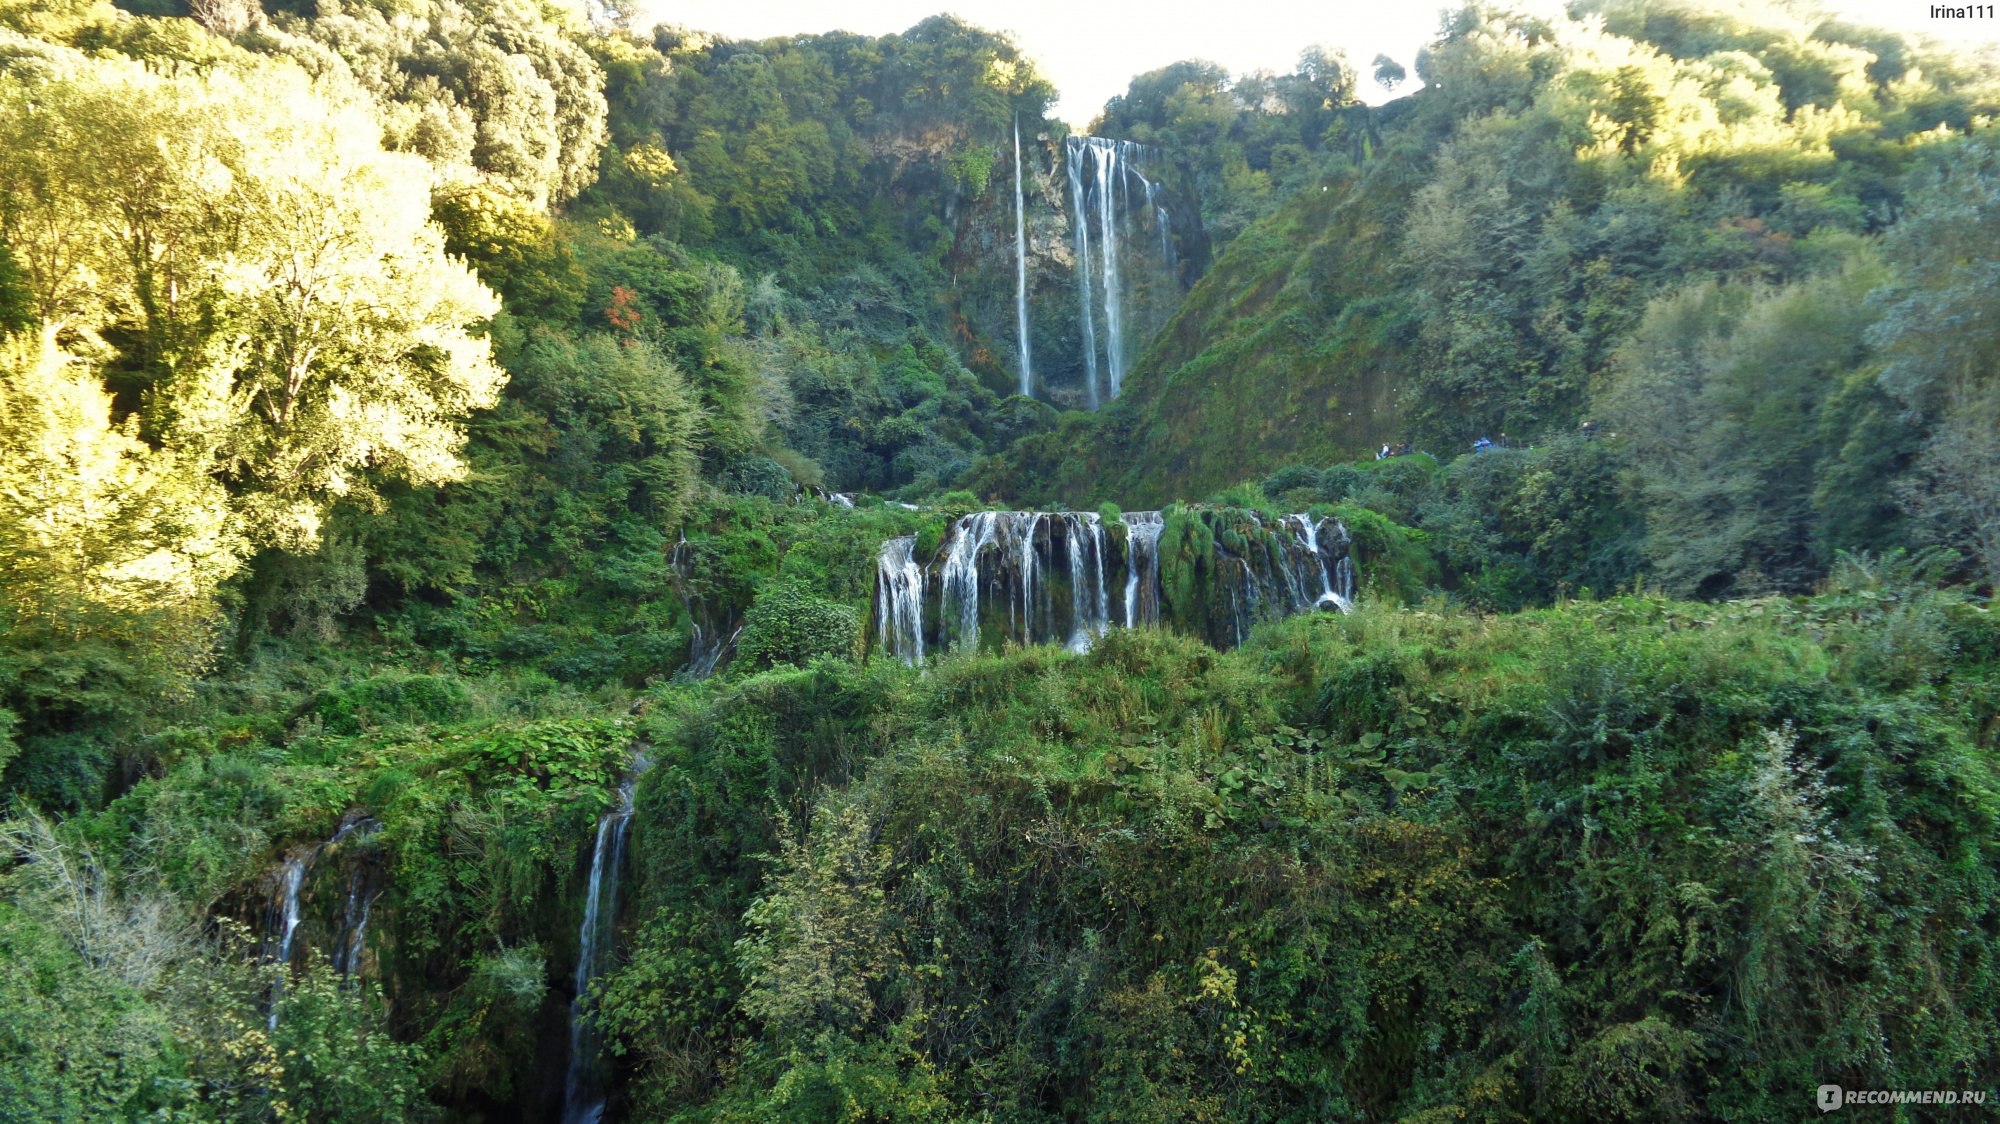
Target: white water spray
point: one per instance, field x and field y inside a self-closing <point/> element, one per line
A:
<point x="1073" y="150"/>
<point x="1021" y="270"/>
<point x="583" y="1096"/>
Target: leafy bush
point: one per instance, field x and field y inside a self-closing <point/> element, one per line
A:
<point x="392" y="698"/>
<point x="761" y="476"/>
<point x="788" y="625"/>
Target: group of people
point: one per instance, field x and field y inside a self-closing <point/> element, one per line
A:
<point x="1485" y="443"/>
<point x="1387" y="451"/>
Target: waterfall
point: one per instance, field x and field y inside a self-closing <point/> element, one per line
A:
<point x="1107" y="227"/>
<point x="354" y="922"/>
<point x="970" y="535"/>
<point x="1142" y="554"/>
<point x="583" y="1098"/>
<point x="1073" y="150"/>
<point x="899" y="600"/>
<point x="1021" y="269"/>
<point x="1002" y="573"/>
<point x="1083" y="548"/>
<point x="711" y="642"/>
<point x="290" y="880"/>
<point x="1336" y="585"/>
<point x="1105" y="176"/>
<point x="290" y="912"/>
<point x="352" y="939"/>
<point x="1034" y="592"/>
<point x="1154" y="194"/>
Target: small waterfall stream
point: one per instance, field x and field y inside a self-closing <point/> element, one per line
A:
<point x="899" y="598"/>
<point x="291" y="879"/>
<point x="1142" y="567"/>
<point x="289" y="911"/>
<point x="1080" y="231"/>
<point x="1107" y="230"/>
<point x="712" y="637"/>
<point x="1021" y="268"/>
<point x="583" y="1093"/>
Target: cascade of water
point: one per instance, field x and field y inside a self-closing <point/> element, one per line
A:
<point x="583" y="1098"/>
<point x="1341" y="574"/>
<point x="352" y="938"/>
<point x="1154" y="194"/>
<point x="1083" y="628"/>
<point x="1110" y="191"/>
<point x="354" y="923"/>
<point x="969" y="536"/>
<point x="1029" y="571"/>
<point x="290" y="880"/>
<point x="291" y="884"/>
<point x="1021" y="269"/>
<point x="1020" y="559"/>
<point x="899" y="600"/>
<point x="1073" y="152"/>
<point x="1114" y="326"/>
<point x="1103" y="619"/>
<point x="1142" y="553"/>
<point x="710" y="642"/>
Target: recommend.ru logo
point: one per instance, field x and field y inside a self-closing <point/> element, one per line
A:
<point x="1833" y="1096"/>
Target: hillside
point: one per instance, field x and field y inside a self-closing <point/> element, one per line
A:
<point x="1475" y="269"/>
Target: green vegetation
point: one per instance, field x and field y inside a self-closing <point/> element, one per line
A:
<point x="446" y="448"/>
<point x="1563" y="864"/>
<point x="1486" y="266"/>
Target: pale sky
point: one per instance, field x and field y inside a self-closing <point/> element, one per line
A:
<point x="1090" y="50"/>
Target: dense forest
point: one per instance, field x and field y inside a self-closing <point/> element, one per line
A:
<point x="553" y="569"/>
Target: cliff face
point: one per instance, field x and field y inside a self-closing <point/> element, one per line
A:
<point x="1281" y="352"/>
<point x="1156" y="258"/>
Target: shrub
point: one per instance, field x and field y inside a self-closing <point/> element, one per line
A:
<point x="392" y="698"/>
<point x="760" y="476"/>
<point x="1291" y="478"/>
<point x="788" y="625"/>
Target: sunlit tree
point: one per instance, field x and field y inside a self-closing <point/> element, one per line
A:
<point x="239" y="257"/>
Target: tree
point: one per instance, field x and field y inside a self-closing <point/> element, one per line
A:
<point x="1389" y="73"/>
<point x="91" y="518"/>
<point x="1955" y="487"/>
<point x="496" y="89"/>
<point x="1720" y="392"/>
<point x="1940" y="338"/>
<point x="267" y="293"/>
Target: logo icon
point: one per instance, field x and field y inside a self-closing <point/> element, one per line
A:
<point x="1829" y="1097"/>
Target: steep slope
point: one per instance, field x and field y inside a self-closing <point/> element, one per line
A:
<point x="1283" y="352"/>
<point x="1477" y="272"/>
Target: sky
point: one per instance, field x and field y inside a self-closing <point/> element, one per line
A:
<point x="1090" y="49"/>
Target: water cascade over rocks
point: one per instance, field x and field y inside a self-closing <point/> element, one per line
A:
<point x="899" y="598"/>
<point x="1048" y="578"/>
<point x="1110" y="196"/>
<point x="288" y="911"/>
<point x="712" y="640"/>
<point x="1021" y="269"/>
<point x="583" y="1095"/>
<point x="1142" y="567"/>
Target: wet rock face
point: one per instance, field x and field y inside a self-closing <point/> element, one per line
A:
<point x="1093" y="302"/>
<point x="1065" y="577"/>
